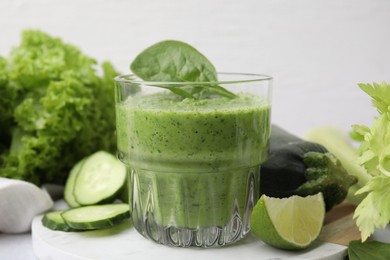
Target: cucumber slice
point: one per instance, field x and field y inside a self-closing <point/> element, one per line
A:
<point x="96" y="216"/>
<point x="54" y="221"/>
<point x="99" y="180"/>
<point x="69" y="185"/>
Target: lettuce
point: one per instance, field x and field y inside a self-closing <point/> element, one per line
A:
<point x="55" y="109"/>
<point x="374" y="154"/>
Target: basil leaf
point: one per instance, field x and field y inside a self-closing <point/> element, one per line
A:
<point x="368" y="250"/>
<point x="175" y="61"/>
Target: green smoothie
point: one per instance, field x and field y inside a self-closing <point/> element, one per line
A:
<point x="192" y="160"/>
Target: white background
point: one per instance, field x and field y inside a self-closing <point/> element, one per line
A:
<point x="316" y="50"/>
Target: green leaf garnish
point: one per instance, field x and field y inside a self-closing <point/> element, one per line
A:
<point x="368" y="250"/>
<point x="175" y="61"/>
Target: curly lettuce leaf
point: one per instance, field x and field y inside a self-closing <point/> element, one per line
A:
<point x="64" y="110"/>
<point x="374" y="154"/>
<point x="41" y="58"/>
<point x="8" y="99"/>
<point x="3" y="72"/>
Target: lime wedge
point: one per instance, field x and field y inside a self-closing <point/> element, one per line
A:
<point x="290" y="223"/>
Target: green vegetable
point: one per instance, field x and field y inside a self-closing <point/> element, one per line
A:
<point x="374" y="154"/>
<point x="55" y="109"/>
<point x="100" y="179"/>
<point x="338" y="144"/>
<point x="373" y="210"/>
<point x="54" y="221"/>
<point x="69" y="185"/>
<point x="368" y="250"/>
<point x="96" y="179"/>
<point x="298" y="167"/>
<point x="175" y="61"/>
<point x="8" y="98"/>
<point x="96" y="216"/>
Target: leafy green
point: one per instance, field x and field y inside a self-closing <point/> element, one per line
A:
<point x="57" y="109"/>
<point x="374" y="154"/>
<point x="373" y="212"/>
<point x="380" y="96"/>
<point x="8" y="96"/>
<point x="175" y="61"/>
<point x="368" y="250"/>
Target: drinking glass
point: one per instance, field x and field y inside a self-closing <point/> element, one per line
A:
<point x="193" y="163"/>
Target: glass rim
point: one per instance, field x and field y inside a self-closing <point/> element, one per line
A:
<point x="251" y="77"/>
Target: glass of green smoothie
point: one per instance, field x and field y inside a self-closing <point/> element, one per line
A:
<point x="193" y="164"/>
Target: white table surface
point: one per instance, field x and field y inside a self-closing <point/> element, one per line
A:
<point x="317" y="51"/>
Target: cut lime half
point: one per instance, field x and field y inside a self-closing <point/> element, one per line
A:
<point x="288" y="223"/>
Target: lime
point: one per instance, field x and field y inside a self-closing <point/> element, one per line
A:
<point x="288" y="223"/>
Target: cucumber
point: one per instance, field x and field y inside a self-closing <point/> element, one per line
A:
<point x="100" y="179"/>
<point x="69" y="185"/>
<point x="96" y="216"/>
<point x="55" y="221"/>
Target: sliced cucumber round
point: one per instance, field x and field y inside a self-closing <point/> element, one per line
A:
<point x="100" y="179"/>
<point x="54" y="221"/>
<point x="96" y="216"/>
<point x="69" y="185"/>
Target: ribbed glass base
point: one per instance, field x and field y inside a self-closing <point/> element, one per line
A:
<point x="188" y="209"/>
